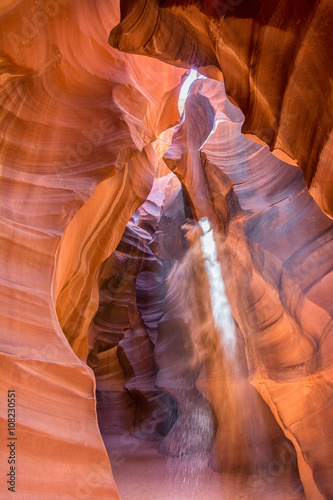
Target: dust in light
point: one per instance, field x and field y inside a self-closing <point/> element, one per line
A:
<point x="220" y="306"/>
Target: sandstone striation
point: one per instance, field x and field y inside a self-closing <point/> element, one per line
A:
<point x="272" y="303"/>
<point x="77" y="119"/>
<point x="112" y="320"/>
<point x="275" y="60"/>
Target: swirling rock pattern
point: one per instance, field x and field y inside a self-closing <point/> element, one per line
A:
<point x="272" y="228"/>
<point x="131" y="294"/>
<point x="81" y="214"/>
<point x="77" y="119"/>
<point x="115" y="408"/>
<point x="275" y="61"/>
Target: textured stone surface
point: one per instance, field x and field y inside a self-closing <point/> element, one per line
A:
<point x="77" y="119"/>
<point x="275" y="59"/>
<point x="268" y="228"/>
<point x="103" y="284"/>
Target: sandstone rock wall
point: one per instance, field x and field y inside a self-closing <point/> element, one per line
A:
<point x="89" y="237"/>
<point x="275" y="60"/>
<point x="77" y="119"/>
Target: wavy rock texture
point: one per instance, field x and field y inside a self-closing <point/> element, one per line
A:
<point x="236" y="184"/>
<point x="77" y="119"/>
<point x="154" y="409"/>
<point x="275" y="59"/>
<point x="103" y="289"/>
<point x="271" y="230"/>
<point x="112" y="398"/>
<point x="131" y="293"/>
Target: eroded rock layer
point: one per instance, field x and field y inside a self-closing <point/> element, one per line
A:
<point x="131" y="294"/>
<point x="104" y="280"/>
<point x="265" y="235"/>
<point x="275" y="59"/>
<point x="265" y="222"/>
<point x="77" y="119"/>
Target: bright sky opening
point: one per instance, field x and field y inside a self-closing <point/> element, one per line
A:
<point x="186" y="87"/>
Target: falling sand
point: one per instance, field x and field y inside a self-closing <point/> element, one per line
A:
<point x="141" y="473"/>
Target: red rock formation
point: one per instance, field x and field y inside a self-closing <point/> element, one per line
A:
<point x="89" y="237"/>
<point x="154" y="409"/>
<point x="275" y="59"/>
<point x="115" y="407"/>
<point x="264" y="240"/>
<point x="77" y="118"/>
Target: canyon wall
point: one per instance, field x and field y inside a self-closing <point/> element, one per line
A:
<point x="103" y="287"/>
<point x="77" y="120"/>
<point x="275" y="60"/>
<point x="274" y="247"/>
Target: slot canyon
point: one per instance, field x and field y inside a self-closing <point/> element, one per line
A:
<point x="166" y="252"/>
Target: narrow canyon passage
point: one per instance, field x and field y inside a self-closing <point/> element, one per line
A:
<point x="166" y="273"/>
<point x="158" y="429"/>
<point x="178" y="415"/>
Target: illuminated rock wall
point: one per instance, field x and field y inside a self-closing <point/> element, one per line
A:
<point x="77" y="119"/>
<point x="91" y="226"/>
<point x="275" y="59"/>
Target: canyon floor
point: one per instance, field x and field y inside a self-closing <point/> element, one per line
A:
<point x="141" y="473"/>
